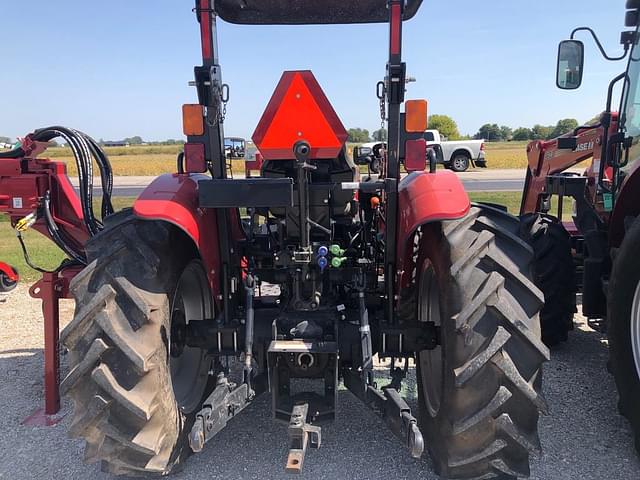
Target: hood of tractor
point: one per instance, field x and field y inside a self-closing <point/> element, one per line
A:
<point x="286" y="12"/>
<point x="299" y="110"/>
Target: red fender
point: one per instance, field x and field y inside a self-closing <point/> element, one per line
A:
<point x="173" y="198"/>
<point x="423" y="198"/>
<point x="9" y="272"/>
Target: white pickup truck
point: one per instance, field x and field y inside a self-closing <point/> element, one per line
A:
<point x="456" y="155"/>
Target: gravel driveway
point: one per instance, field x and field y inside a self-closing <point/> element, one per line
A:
<point x="582" y="438"/>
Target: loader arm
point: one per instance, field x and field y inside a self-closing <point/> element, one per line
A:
<point x="545" y="158"/>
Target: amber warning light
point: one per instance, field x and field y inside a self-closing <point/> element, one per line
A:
<point x="299" y="110"/>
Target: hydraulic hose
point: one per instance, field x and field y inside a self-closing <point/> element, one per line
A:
<point x="85" y="151"/>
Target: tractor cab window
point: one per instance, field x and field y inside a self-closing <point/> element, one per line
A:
<point x="429" y="137"/>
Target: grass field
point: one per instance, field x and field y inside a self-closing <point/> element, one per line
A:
<point x="506" y="154"/>
<point x="152" y="160"/>
<point x="45" y="254"/>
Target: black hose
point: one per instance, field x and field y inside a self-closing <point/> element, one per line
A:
<point x="57" y="235"/>
<point x="15" y="153"/>
<point x="85" y="150"/>
<point x="85" y="167"/>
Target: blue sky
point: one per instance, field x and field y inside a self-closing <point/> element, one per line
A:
<point x="120" y="68"/>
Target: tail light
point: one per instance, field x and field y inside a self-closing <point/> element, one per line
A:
<point x="482" y="147"/>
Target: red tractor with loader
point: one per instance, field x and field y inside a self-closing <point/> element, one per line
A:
<point x="211" y="291"/>
<point x="597" y="252"/>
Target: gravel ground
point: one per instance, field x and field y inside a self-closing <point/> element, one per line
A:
<point x="582" y="438"/>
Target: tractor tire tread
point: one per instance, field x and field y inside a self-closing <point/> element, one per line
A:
<point x="497" y="368"/>
<point x="623" y="282"/>
<point x="554" y="273"/>
<point x="119" y="380"/>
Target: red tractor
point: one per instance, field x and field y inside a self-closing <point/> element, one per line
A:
<point x="301" y="275"/>
<point x="603" y="239"/>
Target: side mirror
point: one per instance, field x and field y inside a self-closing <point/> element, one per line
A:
<point x="570" y="64"/>
<point x="367" y="156"/>
<point x="362" y="155"/>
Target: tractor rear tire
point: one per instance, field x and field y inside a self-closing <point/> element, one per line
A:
<point x="480" y="389"/>
<point x="128" y="405"/>
<point x="623" y="328"/>
<point x="554" y="272"/>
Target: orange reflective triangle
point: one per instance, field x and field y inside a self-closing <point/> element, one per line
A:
<point x="299" y="110"/>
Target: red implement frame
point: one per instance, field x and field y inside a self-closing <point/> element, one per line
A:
<point x="23" y="183"/>
<point x="50" y="289"/>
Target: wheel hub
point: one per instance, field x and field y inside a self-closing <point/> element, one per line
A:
<point x="189" y="366"/>
<point x="431" y="361"/>
<point x="178" y="333"/>
<point x="459" y="163"/>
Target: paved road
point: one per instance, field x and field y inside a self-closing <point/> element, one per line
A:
<point x="497" y="185"/>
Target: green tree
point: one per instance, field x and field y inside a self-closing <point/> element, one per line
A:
<point x="522" y="134"/>
<point x="490" y="132"/>
<point x="507" y="132"/>
<point x="540" y="132"/>
<point x="445" y="125"/>
<point x="5" y="140"/>
<point x="358" y="135"/>
<point x="380" y="135"/>
<point x="134" y="140"/>
<point x="564" y="126"/>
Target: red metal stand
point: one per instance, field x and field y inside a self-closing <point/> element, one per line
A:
<point x="50" y="289"/>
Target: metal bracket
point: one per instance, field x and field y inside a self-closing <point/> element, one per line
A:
<point x="301" y="434"/>
<point x="404" y="341"/>
<point x="224" y="403"/>
<point x="398" y="416"/>
<point x="390" y="405"/>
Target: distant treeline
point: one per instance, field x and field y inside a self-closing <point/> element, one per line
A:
<point x="491" y="132"/>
